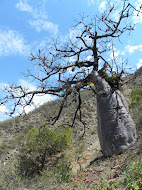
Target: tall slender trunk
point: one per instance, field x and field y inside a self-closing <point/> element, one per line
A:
<point x="116" y="129"/>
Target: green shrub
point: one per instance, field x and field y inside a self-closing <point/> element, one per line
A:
<point x="58" y="174"/>
<point x="3" y="148"/>
<point x="40" y="145"/>
<point x="133" y="175"/>
<point x="9" y="178"/>
<point x="136" y="97"/>
<point x="103" y="185"/>
<point x="49" y="177"/>
<point x="64" y="169"/>
<point x="136" y="106"/>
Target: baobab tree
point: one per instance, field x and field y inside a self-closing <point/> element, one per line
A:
<point x="69" y="65"/>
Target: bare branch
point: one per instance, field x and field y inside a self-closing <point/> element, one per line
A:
<point x="63" y="67"/>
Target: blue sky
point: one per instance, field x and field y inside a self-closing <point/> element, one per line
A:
<point x="27" y="25"/>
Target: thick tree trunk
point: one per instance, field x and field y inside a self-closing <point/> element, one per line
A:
<point x="116" y="128"/>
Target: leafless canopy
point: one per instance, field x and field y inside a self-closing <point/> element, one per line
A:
<point x="65" y="67"/>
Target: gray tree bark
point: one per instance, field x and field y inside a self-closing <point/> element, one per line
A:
<point x="116" y="129"/>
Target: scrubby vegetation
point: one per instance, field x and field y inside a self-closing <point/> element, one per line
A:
<point x="40" y="145"/>
<point x="41" y="153"/>
<point x="136" y="106"/>
<point x="9" y="177"/>
<point x="133" y="174"/>
<point x="47" y="155"/>
<point x="3" y="148"/>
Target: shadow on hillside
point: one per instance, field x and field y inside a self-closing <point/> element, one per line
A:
<point x="100" y="158"/>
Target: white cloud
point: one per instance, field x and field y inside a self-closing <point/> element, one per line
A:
<point x="38" y="100"/>
<point x="123" y="52"/>
<point x="139" y="64"/>
<point x="70" y="71"/>
<point x="3" y="109"/>
<point x="73" y="32"/>
<point x="27" y="84"/>
<point x="94" y="2"/>
<point x="36" y="13"/>
<point x="116" y="16"/>
<point x="45" y="25"/>
<point x="138" y="16"/>
<point x="24" y="6"/>
<point x="89" y="57"/>
<point x="3" y="85"/>
<point x="114" y="54"/>
<point x="131" y="49"/>
<point x="72" y="59"/>
<point x="91" y="2"/>
<point x="11" y="42"/>
<point x="102" y="6"/>
<point x="39" y="19"/>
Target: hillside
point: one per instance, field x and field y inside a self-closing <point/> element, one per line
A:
<point x="90" y="170"/>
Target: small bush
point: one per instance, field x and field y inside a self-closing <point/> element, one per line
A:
<point x="114" y="81"/>
<point x="58" y="174"/>
<point x="64" y="169"/>
<point x="136" y="106"/>
<point x="40" y="145"/>
<point x="103" y="185"/>
<point x="133" y="175"/>
<point x="49" y="177"/>
<point x="9" y="178"/>
<point x="3" y="148"/>
<point x="136" y="98"/>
